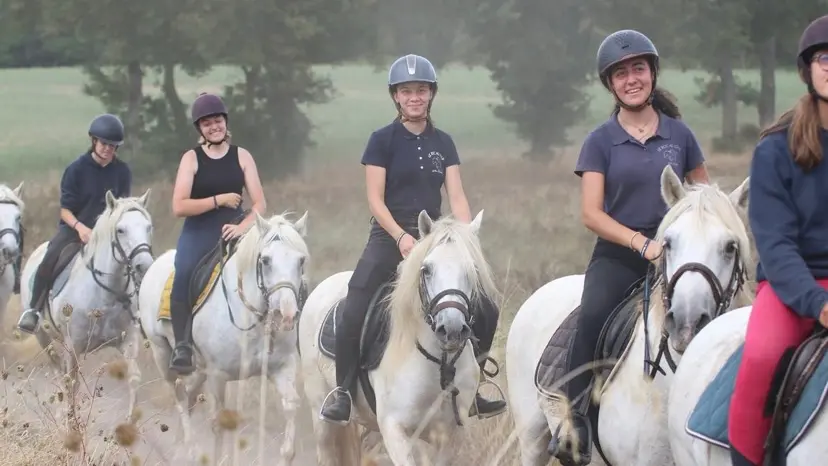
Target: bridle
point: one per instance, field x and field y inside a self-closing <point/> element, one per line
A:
<point x="301" y="294"/>
<point x="722" y="296"/>
<point x="432" y="307"/>
<point x="16" y="234"/>
<point x="125" y="260"/>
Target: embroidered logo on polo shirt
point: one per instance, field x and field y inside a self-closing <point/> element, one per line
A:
<point x="671" y="152"/>
<point x="437" y="161"/>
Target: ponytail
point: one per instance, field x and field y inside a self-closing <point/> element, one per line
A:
<point x="662" y="101"/>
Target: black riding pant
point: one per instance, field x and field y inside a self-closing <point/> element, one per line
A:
<point x="612" y="270"/>
<point x="376" y="266"/>
<point x="46" y="272"/>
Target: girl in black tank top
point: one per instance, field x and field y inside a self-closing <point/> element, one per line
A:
<point x="211" y="205"/>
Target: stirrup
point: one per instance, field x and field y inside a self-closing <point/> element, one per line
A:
<point x="325" y="403"/>
<point x="475" y="411"/>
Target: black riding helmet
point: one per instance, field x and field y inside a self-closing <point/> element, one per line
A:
<point x="412" y="68"/>
<point x="620" y="46"/>
<point x="814" y="37"/>
<point x="207" y="105"/>
<point x="108" y="129"/>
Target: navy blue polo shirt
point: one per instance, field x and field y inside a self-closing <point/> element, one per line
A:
<point x="632" y="170"/>
<point x="415" y="167"/>
<point x="84" y="185"/>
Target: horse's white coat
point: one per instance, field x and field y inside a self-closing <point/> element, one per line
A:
<point x="701" y="222"/>
<point x="11" y="214"/>
<point x="226" y="352"/>
<point x="701" y="362"/>
<point x="87" y="315"/>
<point x="410" y="402"/>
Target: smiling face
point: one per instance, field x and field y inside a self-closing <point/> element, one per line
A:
<point x="213" y="128"/>
<point x="413" y="99"/>
<point x="632" y="81"/>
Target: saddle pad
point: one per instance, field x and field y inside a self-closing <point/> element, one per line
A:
<point x="164" y="309"/>
<point x="709" y="419"/>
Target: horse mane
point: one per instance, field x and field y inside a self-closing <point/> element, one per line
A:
<point x="7" y="195"/>
<point x="406" y="307"/>
<point x="252" y="242"/>
<point x="104" y="228"/>
<point x="707" y="203"/>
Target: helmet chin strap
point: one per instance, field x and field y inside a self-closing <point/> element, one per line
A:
<point x="812" y="90"/>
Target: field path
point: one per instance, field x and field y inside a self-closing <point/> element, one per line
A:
<point x="29" y="398"/>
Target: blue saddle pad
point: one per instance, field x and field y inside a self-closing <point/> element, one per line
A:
<point x="709" y="419"/>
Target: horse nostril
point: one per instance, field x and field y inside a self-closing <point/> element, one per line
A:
<point x="703" y="321"/>
<point x="466" y="332"/>
<point x="441" y="331"/>
<point x="670" y="322"/>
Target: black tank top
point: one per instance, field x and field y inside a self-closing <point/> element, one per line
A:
<point x="217" y="176"/>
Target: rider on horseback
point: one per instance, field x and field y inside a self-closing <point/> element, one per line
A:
<point x="82" y="199"/>
<point x="208" y="192"/>
<point x="406" y="164"/>
<point x="788" y="187"/>
<point x="622" y="204"/>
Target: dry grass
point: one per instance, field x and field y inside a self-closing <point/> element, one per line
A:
<point x="531" y="233"/>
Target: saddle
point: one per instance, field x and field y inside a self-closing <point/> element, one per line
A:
<point x="203" y="280"/>
<point x="373" y="338"/>
<point x="802" y="367"/>
<point x="798" y="391"/>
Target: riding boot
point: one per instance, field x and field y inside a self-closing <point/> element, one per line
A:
<point x="28" y="321"/>
<point x="737" y="459"/>
<point x="484" y="328"/>
<point x="182" y="356"/>
<point x="348" y="333"/>
<point x="562" y="448"/>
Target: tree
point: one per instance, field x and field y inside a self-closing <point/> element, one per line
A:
<point x="541" y="55"/>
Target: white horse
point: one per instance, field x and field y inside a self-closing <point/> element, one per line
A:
<point x="236" y="326"/>
<point x="803" y="438"/>
<point x="429" y="311"/>
<point x="707" y="247"/>
<point x="92" y="305"/>
<point x="11" y="240"/>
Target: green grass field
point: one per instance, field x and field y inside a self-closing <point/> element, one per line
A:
<point x="45" y="114"/>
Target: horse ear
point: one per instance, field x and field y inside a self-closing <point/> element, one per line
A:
<point x="739" y="196"/>
<point x="475" y="224"/>
<point x="18" y="191"/>
<point x="110" y="199"/>
<point x="261" y="224"/>
<point x="301" y="225"/>
<point x="143" y="199"/>
<point x="424" y="223"/>
<point x="672" y="190"/>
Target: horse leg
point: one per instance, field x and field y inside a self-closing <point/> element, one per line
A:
<point x="196" y="383"/>
<point x="398" y="445"/>
<point x="133" y="342"/>
<point x="447" y="447"/>
<point x="161" y="352"/>
<point x="217" y="384"/>
<point x="285" y="381"/>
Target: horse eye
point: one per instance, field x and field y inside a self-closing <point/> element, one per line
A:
<point x="425" y="270"/>
<point x="666" y="244"/>
<point x="120" y="231"/>
<point x="266" y="261"/>
<point x="731" y="247"/>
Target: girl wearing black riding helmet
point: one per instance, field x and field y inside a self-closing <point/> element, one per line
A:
<point x="83" y="188"/>
<point x="620" y="166"/>
<point x="208" y="192"/>
<point x="406" y="164"/>
<point x="788" y="188"/>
